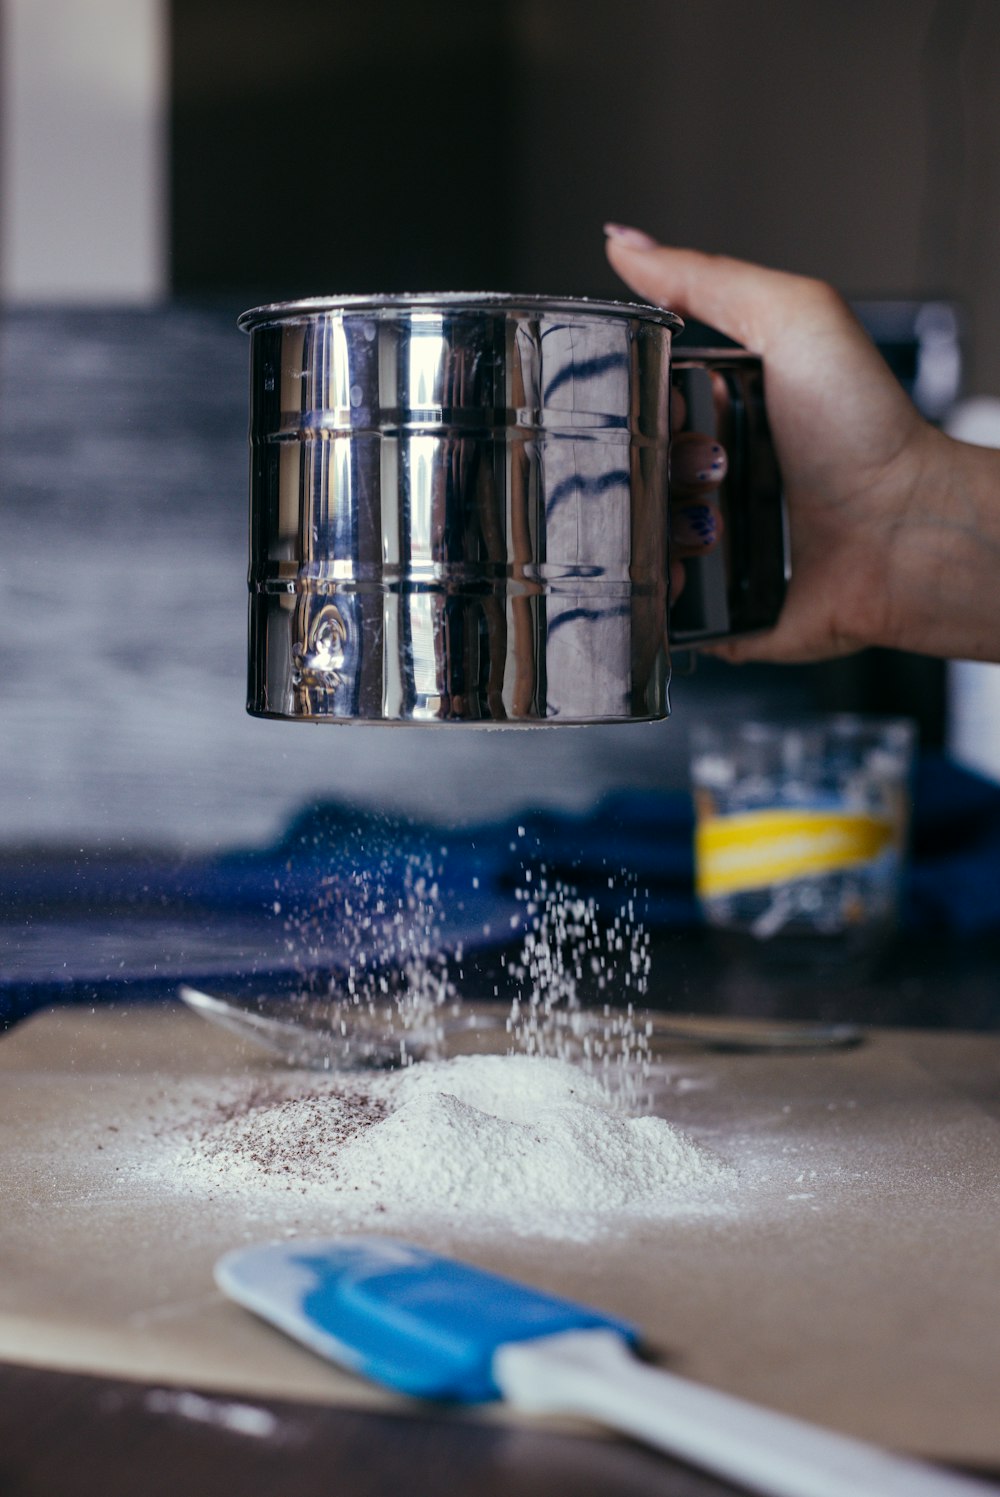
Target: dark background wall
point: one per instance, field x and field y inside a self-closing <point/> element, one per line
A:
<point x="342" y="146"/>
<point x="334" y="147"/>
<point x="322" y="147"/>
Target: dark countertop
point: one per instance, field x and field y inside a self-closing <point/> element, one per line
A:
<point x="71" y="1436"/>
<point x="923" y="981"/>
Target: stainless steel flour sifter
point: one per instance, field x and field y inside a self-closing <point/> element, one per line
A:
<point x="459" y="508"/>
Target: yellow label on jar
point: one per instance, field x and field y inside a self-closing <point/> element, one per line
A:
<point x="753" y="849"/>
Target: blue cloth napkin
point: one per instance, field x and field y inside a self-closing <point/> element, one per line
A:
<point x="954" y="879"/>
<point x="221" y="919"/>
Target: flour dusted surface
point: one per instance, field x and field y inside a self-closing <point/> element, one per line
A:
<point x="522" y="1144"/>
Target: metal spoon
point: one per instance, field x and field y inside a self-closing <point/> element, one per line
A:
<point x="316" y="1032"/>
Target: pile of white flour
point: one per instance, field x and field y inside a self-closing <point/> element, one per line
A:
<point x="524" y="1144"/>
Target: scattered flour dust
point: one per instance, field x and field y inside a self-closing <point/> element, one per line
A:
<point x="538" y="1143"/>
<point x="527" y="1144"/>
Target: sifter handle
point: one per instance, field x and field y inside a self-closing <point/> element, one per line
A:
<point x="739" y="586"/>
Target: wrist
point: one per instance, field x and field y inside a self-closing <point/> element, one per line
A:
<point x="944" y="564"/>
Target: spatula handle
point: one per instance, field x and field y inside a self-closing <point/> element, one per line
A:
<point x="593" y="1374"/>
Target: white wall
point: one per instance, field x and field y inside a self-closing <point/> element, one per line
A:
<point x="974" y="687"/>
<point x="83" y="112"/>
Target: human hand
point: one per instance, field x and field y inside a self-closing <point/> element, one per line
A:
<point x="698" y="466"/>
<point x="864" y="475"/>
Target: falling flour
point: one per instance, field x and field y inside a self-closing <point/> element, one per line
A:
<point x="542" y="1142"/>
<point x="392" y="987"/>
<point x="523" y="1144"/>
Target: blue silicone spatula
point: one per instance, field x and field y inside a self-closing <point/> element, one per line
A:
<point x="435" y="1328"/>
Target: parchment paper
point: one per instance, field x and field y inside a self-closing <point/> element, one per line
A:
<point x="853" y="1280"/>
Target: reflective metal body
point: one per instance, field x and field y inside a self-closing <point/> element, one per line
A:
<point x="458" y="510"/>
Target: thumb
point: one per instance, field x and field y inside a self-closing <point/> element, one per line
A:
<point x="746" y="302"/>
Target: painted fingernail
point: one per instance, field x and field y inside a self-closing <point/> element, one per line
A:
<point x="695" y="526"/>
<point x="716" y="470"/>
<point x="695" y="461"/>
<point x="630" y="238"/>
